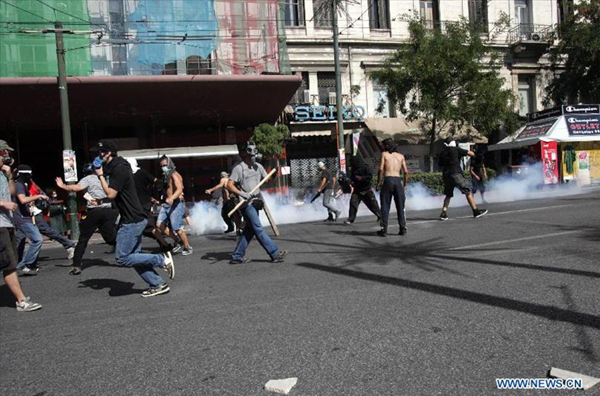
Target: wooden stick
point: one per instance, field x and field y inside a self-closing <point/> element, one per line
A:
<point x="243" y="201"/>
<point x="271" y="220"/>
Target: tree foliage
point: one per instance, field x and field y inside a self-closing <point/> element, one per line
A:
<point x="447" y="78"/>
<point x="576" y="58"/>
<point x="269" y="139"/>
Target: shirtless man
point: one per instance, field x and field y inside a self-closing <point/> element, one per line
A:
<point x="391" y="186"/>
<point x="225" y="198"/>
<point x="173" y="208"/>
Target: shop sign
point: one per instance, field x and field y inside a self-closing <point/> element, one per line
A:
<point x="581" y="109"/>
<point x="536" y="130"/>
<point x="327" y="113"/>
<point x="583" y="125"/>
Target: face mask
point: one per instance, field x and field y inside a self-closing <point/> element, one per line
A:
<point x="165" y="169"/>
<point x="97" y="163"/>
<point x="6" y="158"/>
<point x="253" y="159"/>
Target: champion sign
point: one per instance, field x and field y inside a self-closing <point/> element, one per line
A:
<point x="581" y="109"/>
<point x="583" y="125"/>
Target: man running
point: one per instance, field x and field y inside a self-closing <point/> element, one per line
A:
<point x="453" y="177"/>
<point x="119" y="186"/>
<point x="326" y="188"/>
<point x="173" y="208"/>
<point x="226" y="200"/>
<point x="245" y="176"/>
<point x="361" y="177"/>
<point x="392" y="163"/>
<point x="8" y="251"/>
<point x="99" y="215"/>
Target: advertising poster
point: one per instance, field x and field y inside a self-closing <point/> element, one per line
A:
<point x="342" y="160"/>
<point x="70" y="166"/>
<point x="550" y="162"/>
<point x="583" y="125"/>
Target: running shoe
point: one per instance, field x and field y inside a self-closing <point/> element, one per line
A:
<point x="280" y="258"/>
<point x="176" y="248"/>
<point x="348" y="222"/>
<point x="169" y="265"/>
<point x="477" y="213"/>
<point x="27" y="305"/>
<point x="403" y="231"/>
<point x="187" y="251"/>
<point x="228" y="230"/>
<point x="444" y="216"/>
<point x="71" y="253"/>
<point x="155" y="291"/>
<point x="240" y="261"/>
<point x="28" y="271"/>
<point x="382" y="232"/>
<point x="75" y="270"/>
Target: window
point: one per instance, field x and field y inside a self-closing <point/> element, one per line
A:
<point x="323" y="10"/>
<point x="565" y="9"/>
<point x="478" y="14"/>
<point x="430" y="13"/>
<point x="198" y="65"/>
<point x="298" y="97"/>
<point x="526" y="95"/>
<point x="170" y="69"/>
<point x="523" y="19"/>
<point x="326" y="84"/>
<point x="384" y="107"/>
<point x="294" y="12"/>
<point x="379" y="14"/>
<point x="119" y="69"/>
<point x="119" y="53"/>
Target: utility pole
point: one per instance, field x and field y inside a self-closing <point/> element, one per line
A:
<point x="65" y="119"/>
<point x="338" y="91"/>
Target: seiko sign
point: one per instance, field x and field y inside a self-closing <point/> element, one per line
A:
<point x="327" y="113"/>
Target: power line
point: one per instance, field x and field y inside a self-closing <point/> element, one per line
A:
<point x="24" y="10"/>
<point x="66" y="13"/>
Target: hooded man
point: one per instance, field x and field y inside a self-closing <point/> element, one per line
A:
<point x="173" y="208"/>
<point x="392" y="163"/>
<point x="326" y="188"/>
<point x="119" y="186"/>
<point x="360" y="178"/>
<point x="453" y="177"/>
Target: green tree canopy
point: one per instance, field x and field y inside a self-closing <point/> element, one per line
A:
<point x="447" y="77"/>
<point x="269" y="139"/>
<point x="576" y="58"/>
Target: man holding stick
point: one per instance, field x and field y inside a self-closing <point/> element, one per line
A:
<point x="243" y="182"/>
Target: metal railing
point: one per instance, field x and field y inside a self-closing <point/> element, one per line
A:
<point x="531" y="32"/>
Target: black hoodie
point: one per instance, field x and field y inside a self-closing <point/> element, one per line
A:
<point x="120" y="178"/>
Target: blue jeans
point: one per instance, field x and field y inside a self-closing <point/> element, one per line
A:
<point x="174" y="213"/>
<point x="51" y="233"/>
<point x="253" y="227"/>
<point x="27" y="230"/>
<point x="127" y="253"/>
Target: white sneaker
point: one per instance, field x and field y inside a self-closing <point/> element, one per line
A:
<point x="71" y="253"/>
<point x="169" y="265"/>
<point x="27" y="305"/>
<point x="187" y="251"/>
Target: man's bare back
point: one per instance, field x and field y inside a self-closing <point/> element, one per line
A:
<point x="392" y="164"/>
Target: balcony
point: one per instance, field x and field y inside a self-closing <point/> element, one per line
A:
<point x="529" y="33"/>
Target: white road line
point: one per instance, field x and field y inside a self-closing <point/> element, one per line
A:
<point x="516" y="240"/>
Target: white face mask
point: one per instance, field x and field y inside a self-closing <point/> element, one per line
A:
<point x="165" y="169"/>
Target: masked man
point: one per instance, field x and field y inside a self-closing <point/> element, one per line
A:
<point x="392" y="163"/>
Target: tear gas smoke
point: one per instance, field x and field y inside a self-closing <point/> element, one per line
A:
<point x="296" y="207"/>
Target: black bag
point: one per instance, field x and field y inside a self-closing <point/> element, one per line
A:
<point x="258" y="204"/>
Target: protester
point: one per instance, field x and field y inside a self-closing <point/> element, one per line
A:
<point x="453" y="177"/>
<point x="99" y="215"/>
<point x="57" y="213"/>
<point x="245" y="176"/>
<point x="392" y="164"/>
<point x="173" y="207"/>
<point x="326" y="189"/>
<point x="361" y="191"/>
<point x="226" y="199"/>
<point x="121" y="188"/>
<point x="8" y="251"/>
<point x="479" y="174"/>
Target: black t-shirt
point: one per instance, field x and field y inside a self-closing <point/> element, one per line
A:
<point x="120" y="178"/>
<point x="361" y="177"/>
<point x="326" y="174"/>
<point x="143" y="185"/>
<point x="450" y="160"/>
<point x="22" y="188"/>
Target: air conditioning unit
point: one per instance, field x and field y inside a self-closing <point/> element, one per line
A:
<point x="332" y="98"/>
<point x="535" y="37"/>
<point x="306" y="96"/>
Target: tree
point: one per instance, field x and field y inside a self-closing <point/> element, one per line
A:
<point x="575" y="60"/>
<point x="269" y="139"/>
<point x="447" y="78"/>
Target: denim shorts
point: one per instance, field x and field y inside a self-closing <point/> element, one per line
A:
<point x="174" y="213"/>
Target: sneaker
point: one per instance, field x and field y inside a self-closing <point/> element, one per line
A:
<point x="71" y="253"/>
<point x="382" y="232"/>
<point x="75" y="270"/>
<point x="444" y="216"/>
<point x="403" y="231"/>
<point x="348" y="222"/>
<point x="240" y="261"/>
<point x="228" y="230"/>
<point x="477" y="213"/>
<point x="280" y="258"/>
<point x="176" y="248"/>
<point x="27" y="305"/>
<point x="28" y="271"/>
<point x="156" y="291"/>
<point x="169" y="265"/>
<point x="187" y="251"/>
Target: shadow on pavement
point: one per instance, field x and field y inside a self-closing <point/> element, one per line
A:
<point x="544" y="311"/>
<point x="215" y="257"/>
<point x="116" y="288"/>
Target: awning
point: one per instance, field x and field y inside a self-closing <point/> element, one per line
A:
<point x="182" y="152"/>
<point x="326" y="132"/>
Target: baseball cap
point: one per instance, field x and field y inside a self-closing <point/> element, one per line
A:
<point x="5" y="146"/>
<point x="320" y="164"/>
<point x="105" y="145"/>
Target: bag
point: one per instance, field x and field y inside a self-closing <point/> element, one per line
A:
<point x="258" y="204"/>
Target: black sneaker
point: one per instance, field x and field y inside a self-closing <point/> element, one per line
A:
<point x="348" y="222"/>
<point x="229" y="229"/>
<point x="477" y="213"/>
<point x="382" y="232"/>
<point x="240" y="261"/>
<point x="444" y="216"/>
<point x="280" y="258"/>
<point x="403" y="231"/>
<point x="156" y="291"/>
<point x="28" y="271"/>
<point x="75" y="270"/>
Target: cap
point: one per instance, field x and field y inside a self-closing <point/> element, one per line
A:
<point x="5" y="146"/>
<point x="105" y="145"/>
<point x="24" y="169"/>
<point x="320" y="164"/>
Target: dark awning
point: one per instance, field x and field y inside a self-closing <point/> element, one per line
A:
<point x="33" y="103"/>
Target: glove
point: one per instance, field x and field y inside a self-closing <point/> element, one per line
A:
<point x="245" y="195"/>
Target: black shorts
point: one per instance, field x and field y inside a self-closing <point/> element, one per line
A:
<point x="8" y="249"/>
<point x="456" y="181"/>
<point x="478" y="185"/>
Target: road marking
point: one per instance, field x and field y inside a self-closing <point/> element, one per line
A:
<point x="515" y="240"/>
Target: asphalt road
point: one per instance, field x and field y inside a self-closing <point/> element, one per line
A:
<point x="445" y="310"/>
